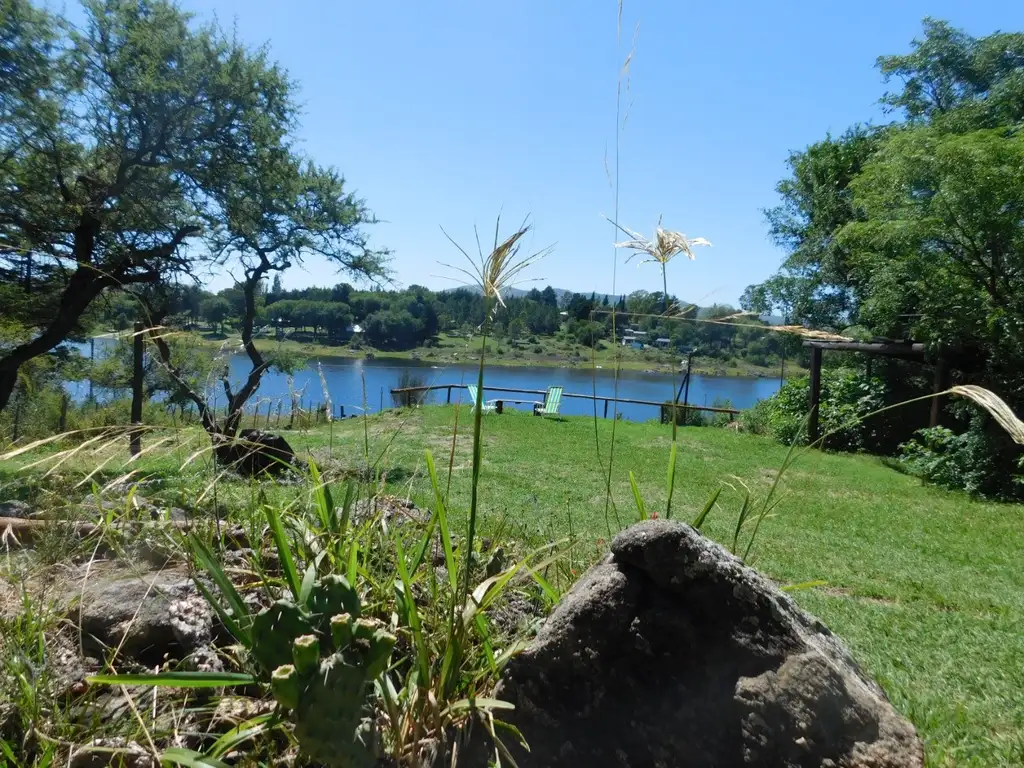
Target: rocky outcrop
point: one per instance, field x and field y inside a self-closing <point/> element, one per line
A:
<point x="670" y="652"/>
<point x="150" y="616"/>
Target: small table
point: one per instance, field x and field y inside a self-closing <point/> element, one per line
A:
<point x="499" y="405"/>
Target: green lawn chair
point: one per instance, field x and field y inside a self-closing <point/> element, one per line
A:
<point x="474" y="395"/>
<point x="552" y="400"/>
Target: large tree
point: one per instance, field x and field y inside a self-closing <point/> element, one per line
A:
<point x="916" y="230"/>
<point x="277" y="210"/>
<point x="115" y="140"/>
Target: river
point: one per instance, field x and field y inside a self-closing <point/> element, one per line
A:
<point x="345" y="381"/>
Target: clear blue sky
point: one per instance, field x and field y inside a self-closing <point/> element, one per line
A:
<point x="445" y="113"/>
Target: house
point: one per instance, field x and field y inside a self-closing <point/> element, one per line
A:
<point x="632" y="341"/>
<point x="662" y="342"/>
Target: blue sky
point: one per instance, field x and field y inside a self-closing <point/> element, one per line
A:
<point x="445" y="113"/>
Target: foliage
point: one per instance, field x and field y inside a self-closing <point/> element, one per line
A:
<point x="916" y="230"/>
<point x="970" y="460"/>
<point x="847" y="396"/>
<point x="133" y="133"/>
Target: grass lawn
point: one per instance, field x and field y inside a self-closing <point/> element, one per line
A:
<point x="925" y="586"/>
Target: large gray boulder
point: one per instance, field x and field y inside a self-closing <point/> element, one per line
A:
<point x="670" y="652"/>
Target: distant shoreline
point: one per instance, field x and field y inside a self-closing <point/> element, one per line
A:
<point x="446" y="356"/>
<point x="466" y="355"/>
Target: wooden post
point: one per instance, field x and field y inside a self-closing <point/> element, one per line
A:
<point x="138" y="350"/>
<point x="92" y="360"/>
<point x="606" y="407"/>
<point x="939" y="386"/>
<point x="449" y="394"/>
<point x="812" y="428"/>
<point x="62" y="422"/>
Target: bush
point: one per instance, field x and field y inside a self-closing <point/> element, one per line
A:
<point x="847" y="395"/>
<point x="978" y="460"/>
<point x="538" y="349"/>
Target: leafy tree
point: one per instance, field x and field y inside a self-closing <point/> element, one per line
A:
<point x="916" y="230"/>
<point x="215" y="310"/>
<point x="116" y="136"/>
<point x="815" y="284"/>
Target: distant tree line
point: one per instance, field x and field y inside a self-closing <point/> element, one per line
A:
<point x="413" y="317"/>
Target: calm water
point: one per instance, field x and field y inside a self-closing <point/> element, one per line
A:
<point x="345" y="379"/>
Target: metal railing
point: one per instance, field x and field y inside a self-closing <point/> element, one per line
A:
<point x="409" y="391"/>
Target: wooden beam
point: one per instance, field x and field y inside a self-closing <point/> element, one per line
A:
<point x="913" y="351"/>
<point x="815" y="399"/>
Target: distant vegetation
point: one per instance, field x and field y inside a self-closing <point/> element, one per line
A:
<point x="406" y="319"/>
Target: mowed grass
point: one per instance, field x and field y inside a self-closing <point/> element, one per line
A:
<point x="926" y="587"/>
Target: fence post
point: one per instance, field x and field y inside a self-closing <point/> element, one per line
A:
<point x="62" y="423"/>
<point x="449" y="394"/>
<point x="606" y="407"/>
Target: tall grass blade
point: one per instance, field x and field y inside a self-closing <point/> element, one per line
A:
<point x="442" y="519"/>
<point x="284" y="552"/>
<point x="641" y="508"/>
<point x="322" y="500"/>
<point x="176" y="679"/>
<point x="239" y="620"/>
<point x="188" y="758"/>
<point x="240" y="734"/>
<point x="346" y="508"/>
<point x="415" y="624"/>
<point x="699" y="520"/>
<point x="671" y="477"/>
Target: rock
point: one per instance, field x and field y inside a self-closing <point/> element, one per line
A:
<point x="670" y="652"/>
<point x="134" y="611"/>
<point x="232" y="711"/>
<point x="20" y="510"/>
<point x="191" y="621"/>
<point x="390" y="510"/>
<point x="117" y="752"/>
<point x="254" y="452"/>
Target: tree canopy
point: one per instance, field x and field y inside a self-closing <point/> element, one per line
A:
<point x="142" y="148"/>
<point x="915" y="230"/>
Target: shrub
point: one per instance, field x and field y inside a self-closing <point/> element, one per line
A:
<point x="847" y="395"/>
<point x="977" y="460"/>
<point x="538" y="349"/>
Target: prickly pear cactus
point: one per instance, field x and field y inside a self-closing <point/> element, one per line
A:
<point x="273" y="631"/>
<point x="322" y="660"/>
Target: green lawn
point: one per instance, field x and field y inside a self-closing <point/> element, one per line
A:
<point x="926" y="586"/>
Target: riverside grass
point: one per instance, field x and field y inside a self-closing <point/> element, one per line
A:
<point x="924" y="585"/>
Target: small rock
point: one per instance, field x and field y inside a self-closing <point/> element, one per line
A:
<point x="117" y="752"/>
<point x="20" y="510"/>
<point x="232" y="710"/>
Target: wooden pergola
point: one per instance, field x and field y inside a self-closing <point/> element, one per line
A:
<point x="907" y="350"/>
